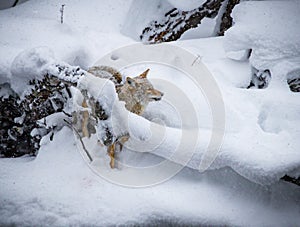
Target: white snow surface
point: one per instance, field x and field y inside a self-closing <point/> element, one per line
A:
<point x="28" y="65"/>
<point x="261" y="141"/>
<point x="80" y="40"/>
<point x="141" y="13"/>
<point x="256" y="120"/>
<point x="186" y="5"/>
<point x="203" y="30"/>
<point x="275" y="41"/>
<point x="57" y="188"/>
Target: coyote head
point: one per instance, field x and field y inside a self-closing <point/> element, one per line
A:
<point x="137" y="92"/>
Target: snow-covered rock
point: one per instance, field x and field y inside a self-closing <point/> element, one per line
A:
<point x="269" y="28"/>
<point x="262" y="125"/>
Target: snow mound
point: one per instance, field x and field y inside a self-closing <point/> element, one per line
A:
<point x="35" y="64"/>
<point x="80" y="40"/>
<point x="258" y="159"/>
<point x="269" y="29"/>
<point x="262" y="125"/>
<point x="29" y="65"/>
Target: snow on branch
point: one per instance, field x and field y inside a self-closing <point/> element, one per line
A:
<point x="177" y="21"/>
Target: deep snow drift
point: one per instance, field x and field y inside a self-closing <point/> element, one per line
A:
<point x="275" y="43"/>
<point x="262" y="126"/>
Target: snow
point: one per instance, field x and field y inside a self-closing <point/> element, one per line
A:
<point x="58" y="188"/>
<point x="242" y="187"/>
<point x="5" y="90"/>
<point x="141" y="13"/>
<point x="275" y="42"/>
<point x="254" y="121"/>
<point x="30" y="65"/>
<point x="186" y="5"/>
<point x="204" y="30"/>
<point x="81" y="40"/>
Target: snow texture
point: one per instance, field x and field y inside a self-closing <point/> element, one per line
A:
<point x="141" y="13"/>
<point x="261" y="143"/>
<point x="275" y="41"/>
<point x="29" y="65"/>
<point x="34" y="64"/>
<point x="186" y="5"/>
<point x="261" y="136"/>
<point x="58" y="188"/>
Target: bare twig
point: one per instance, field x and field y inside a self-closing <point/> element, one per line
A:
<point x="67" y="114"/>
<point x="80" y="138"/>
<point x="196" y="59"/>
<point x="62" y="13"/>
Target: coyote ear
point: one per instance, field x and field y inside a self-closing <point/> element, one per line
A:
<point x="130" y="81"/>
<point x="144" y="74"/>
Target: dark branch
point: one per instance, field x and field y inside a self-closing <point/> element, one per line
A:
<point x="291" y="179"/>
<point x="15" y="3"/>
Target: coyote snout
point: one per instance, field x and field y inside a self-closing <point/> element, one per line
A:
<point x="155" y="95"/>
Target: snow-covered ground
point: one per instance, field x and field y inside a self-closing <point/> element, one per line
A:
<point x="58" y="188"/>
<point x="262" y="126"/>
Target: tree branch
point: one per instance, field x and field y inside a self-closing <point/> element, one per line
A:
<point x="177" y="22"/>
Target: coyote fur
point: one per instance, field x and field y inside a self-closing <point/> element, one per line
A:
<point x="136" y="92"/>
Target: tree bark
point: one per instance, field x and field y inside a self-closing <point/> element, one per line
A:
<point x="226" y="21"/>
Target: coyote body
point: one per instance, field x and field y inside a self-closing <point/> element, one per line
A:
<point x="107" y="72"/>
<point x="136" y="92"/>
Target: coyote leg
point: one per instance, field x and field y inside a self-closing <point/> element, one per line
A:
<point x="111" y="153"/>
<point x="122" y="140"/>
<point x="111" y="149"/>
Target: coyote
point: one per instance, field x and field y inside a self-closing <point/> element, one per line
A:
<point x="136" y="92"/>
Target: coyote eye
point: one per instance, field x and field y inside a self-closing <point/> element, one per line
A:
<point x="130" y="81"/>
